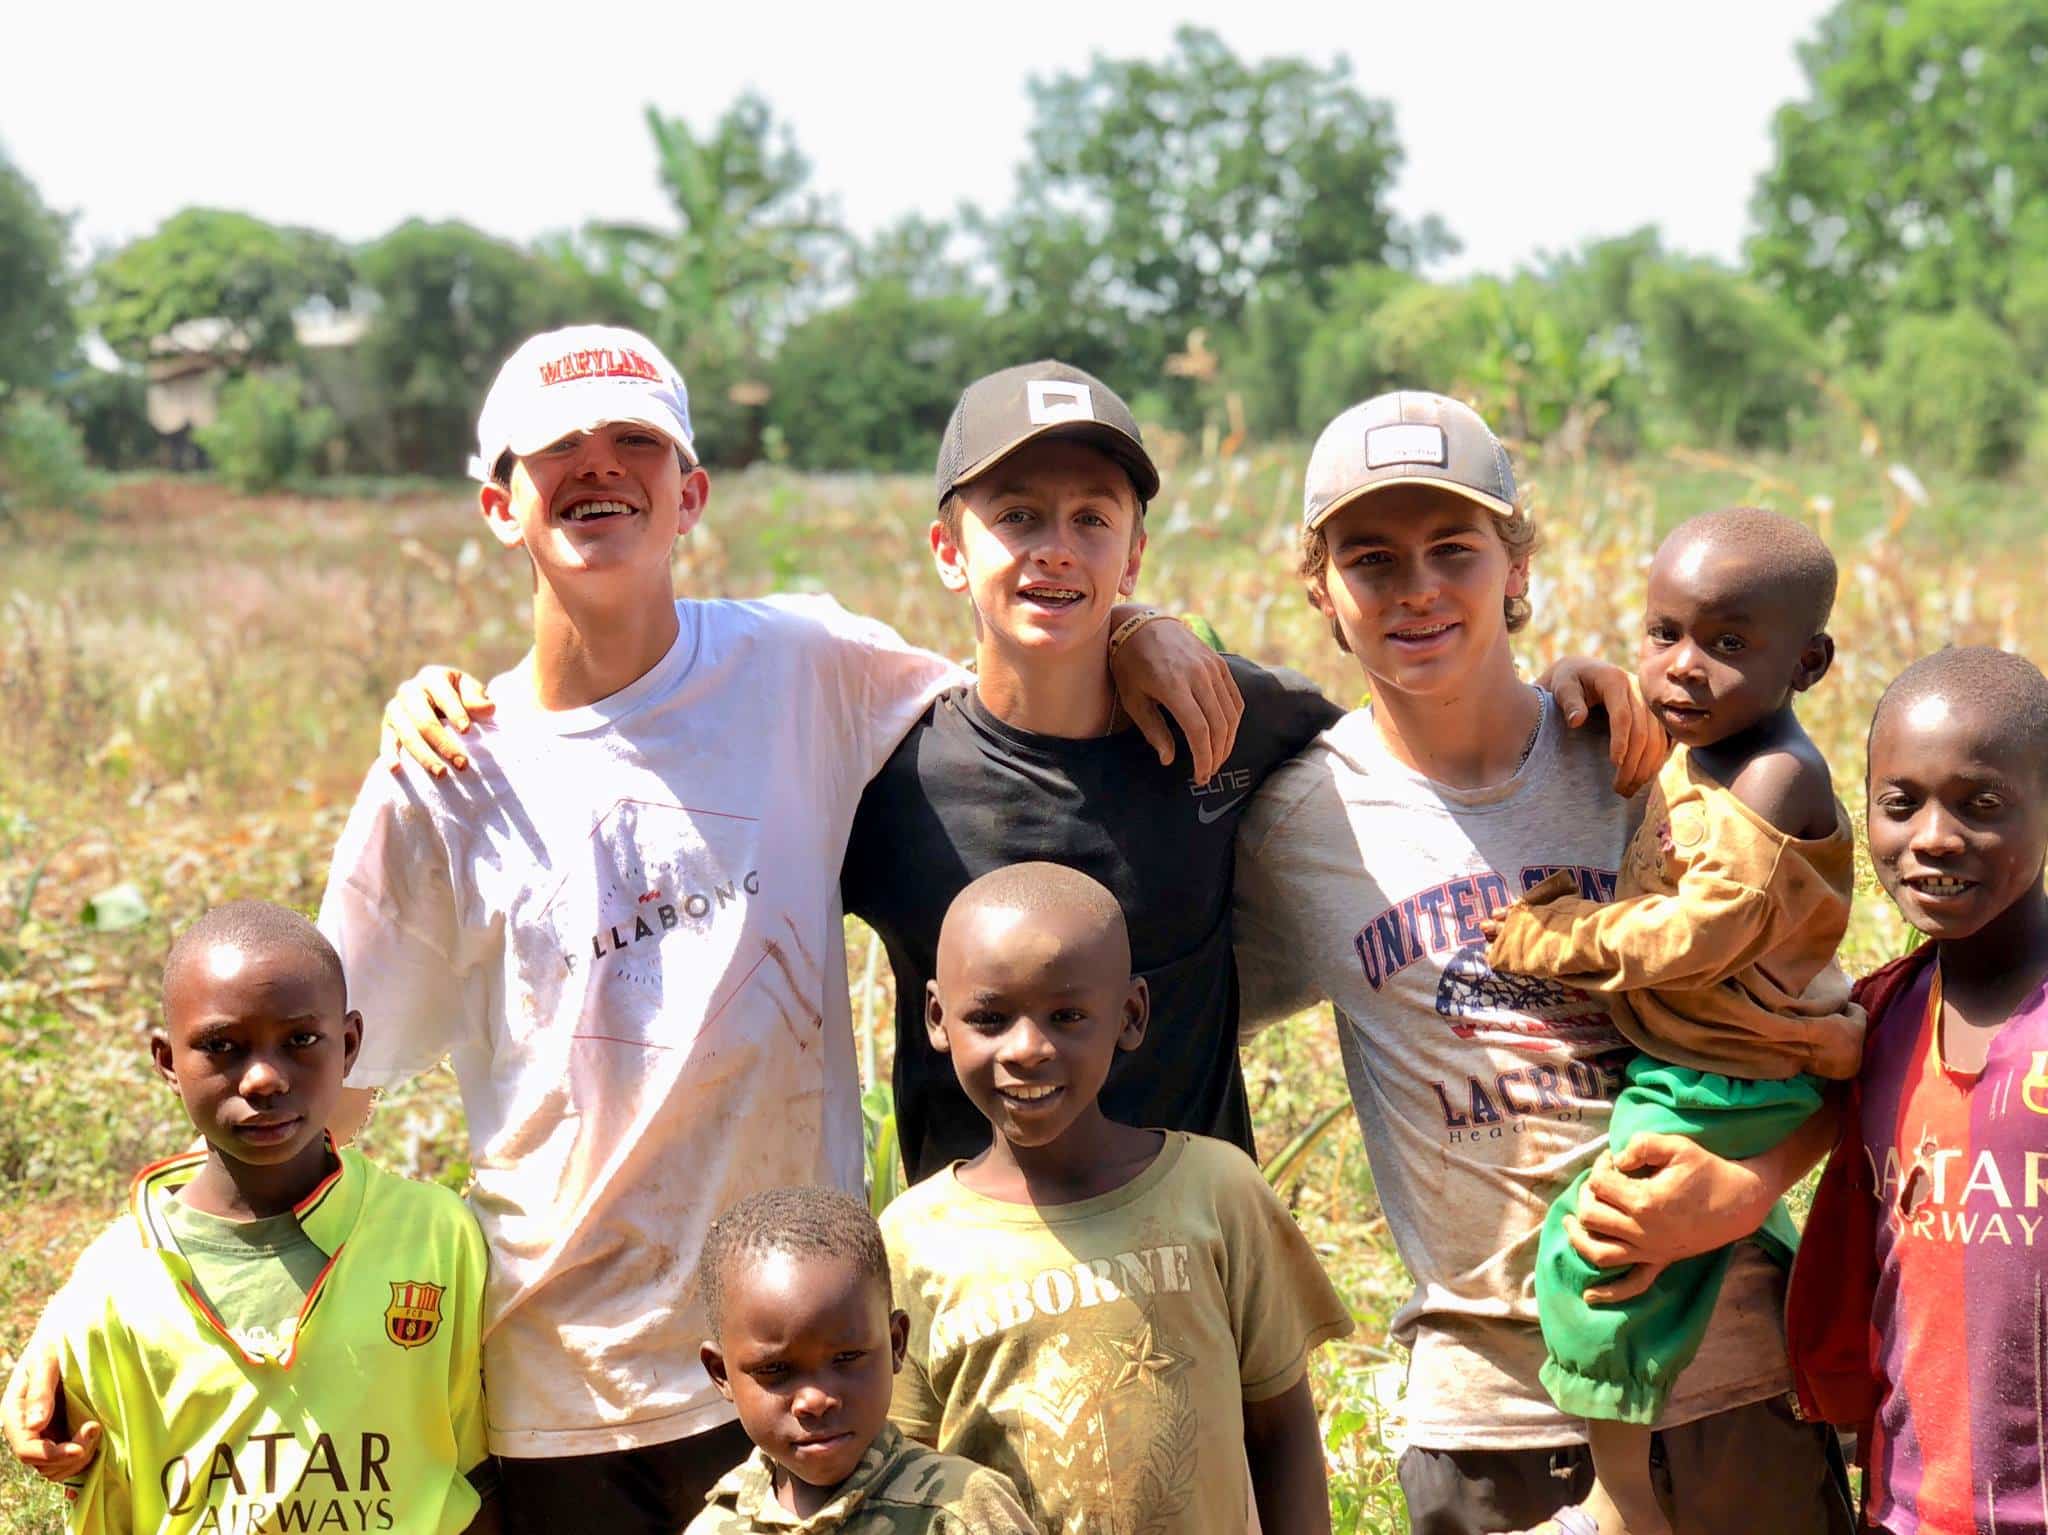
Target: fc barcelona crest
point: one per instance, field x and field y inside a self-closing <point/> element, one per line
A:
<point x="414" y="1315"/>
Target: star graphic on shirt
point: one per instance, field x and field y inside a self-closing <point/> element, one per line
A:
<point x="1144" y="1358"/>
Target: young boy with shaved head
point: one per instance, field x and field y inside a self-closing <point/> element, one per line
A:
<point x="279" y="1335"/>
<point x="1715" y="957"/>
<point x="1915" y="1314"/>
<point x="1117" y="1317"/>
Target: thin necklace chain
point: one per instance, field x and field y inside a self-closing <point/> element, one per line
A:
<point x="1535" y="730"/>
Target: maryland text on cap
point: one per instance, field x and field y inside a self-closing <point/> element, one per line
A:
<point x="1410" y="437"/>
<point x="1000" y="412"/>
<point x="575" y="379"/>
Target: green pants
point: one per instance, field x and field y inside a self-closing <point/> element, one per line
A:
<point x="1619" y="1362"/>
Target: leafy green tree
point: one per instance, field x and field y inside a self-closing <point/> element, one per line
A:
<point x="204" y="264"/>
<point x="1727" y="361"/>
<point x="1914" y="176"/>
<point x="111" y="412"/>
<point x="37" y="332"/>
<point x="266" y="434"/>
<point x="452" y="302"/>
<point x="1170" y="192"/>
<point x="870" y="383"/>
<point x="42" y="459"/>
<point x="751" y="241"/>
<point x="1951" y="390"/>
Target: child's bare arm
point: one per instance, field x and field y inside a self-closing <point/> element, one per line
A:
<point x="1285" y="1453"/>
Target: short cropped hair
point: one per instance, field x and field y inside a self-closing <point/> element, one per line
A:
<point x="254" y="927"/>
<point x="2005" y="692"/>
<point x="1517" y="533"/>
<point x="797" y="1222"/>
<point x="1793" y="564"/>
<point x="1033" y="888"/>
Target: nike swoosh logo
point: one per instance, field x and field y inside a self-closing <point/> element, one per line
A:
<point x="1206" y="815"/>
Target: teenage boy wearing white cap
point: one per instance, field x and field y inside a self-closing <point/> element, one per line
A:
<point x="1365" y="866"/>
<point x="614" y="926"/>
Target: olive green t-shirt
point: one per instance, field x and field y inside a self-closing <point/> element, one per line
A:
<point x="255" y="1275"/>
<point x="1100" y="1353"/>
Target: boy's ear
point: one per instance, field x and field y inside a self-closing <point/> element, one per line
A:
<point x="1127" y="583"/>
<point x="1318" y="587"/>
<point x="899" y="1340"/>
<point x="696" y="496"/>
<point x="1137" y="1013"/>
<point x="946" y="556"/>
<point x="160" y="1055"/>
<point x="713" y="1358"/>
<point x="1815" y="658"/>
<point x="935" y="1018"/>
<point x="494" y="501"/>
<point x="1518" y="577"/>
<point x="351" y="1039"/>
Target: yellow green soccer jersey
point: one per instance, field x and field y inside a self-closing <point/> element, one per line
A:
<point x="367" y="1419"/>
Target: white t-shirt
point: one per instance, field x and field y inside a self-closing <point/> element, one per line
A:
<point x="622" y="925"/>
<point x="1480" y="1095"/>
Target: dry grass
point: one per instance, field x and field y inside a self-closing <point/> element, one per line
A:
<point x="189" y="685"/>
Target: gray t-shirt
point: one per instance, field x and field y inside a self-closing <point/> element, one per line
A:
<point x="1480" y="1095"/>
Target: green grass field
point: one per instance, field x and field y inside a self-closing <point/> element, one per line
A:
<point x="189" y="685"/>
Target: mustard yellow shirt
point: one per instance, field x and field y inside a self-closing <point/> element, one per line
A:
<point x="1718" y="951"/>
<point x="1100" y="1353"/>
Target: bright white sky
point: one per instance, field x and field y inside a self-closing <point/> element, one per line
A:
<point x="1528" y="127"/>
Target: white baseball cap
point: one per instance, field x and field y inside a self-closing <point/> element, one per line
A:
<point x="572" y="380"/>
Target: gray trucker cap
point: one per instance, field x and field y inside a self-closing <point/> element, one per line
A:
<point x="1406" y="438"/>
<point x="1001" y="412"/>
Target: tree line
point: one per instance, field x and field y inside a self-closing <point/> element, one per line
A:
<point x="1210" y="233"/>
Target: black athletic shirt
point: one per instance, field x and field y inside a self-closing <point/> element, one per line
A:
<point x="965" y="793"/>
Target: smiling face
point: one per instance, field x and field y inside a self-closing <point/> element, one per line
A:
<point x="808" y="1352"/>
<point x="1416" y="583"/>
<point x="610" y="499"/>
<point x="257" y="1041"/>
<point x="1723" y="646"/>
<point x="1033" y="1007"/>
<point x="1958" y="817"/>
<point x="1045" y="545"/>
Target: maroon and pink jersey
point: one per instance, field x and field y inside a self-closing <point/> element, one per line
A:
<point x="1959" y="1164"/>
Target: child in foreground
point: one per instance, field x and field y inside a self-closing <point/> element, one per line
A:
<point x="1716" y="956"/>
<point x="1118" y="1318"/>
<point x="805" y="1343"/>
<point x="1915" y="1310"/>
<point x="279" y="1335"/>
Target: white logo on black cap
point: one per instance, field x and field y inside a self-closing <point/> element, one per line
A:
<point x="1049" y="400"/>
